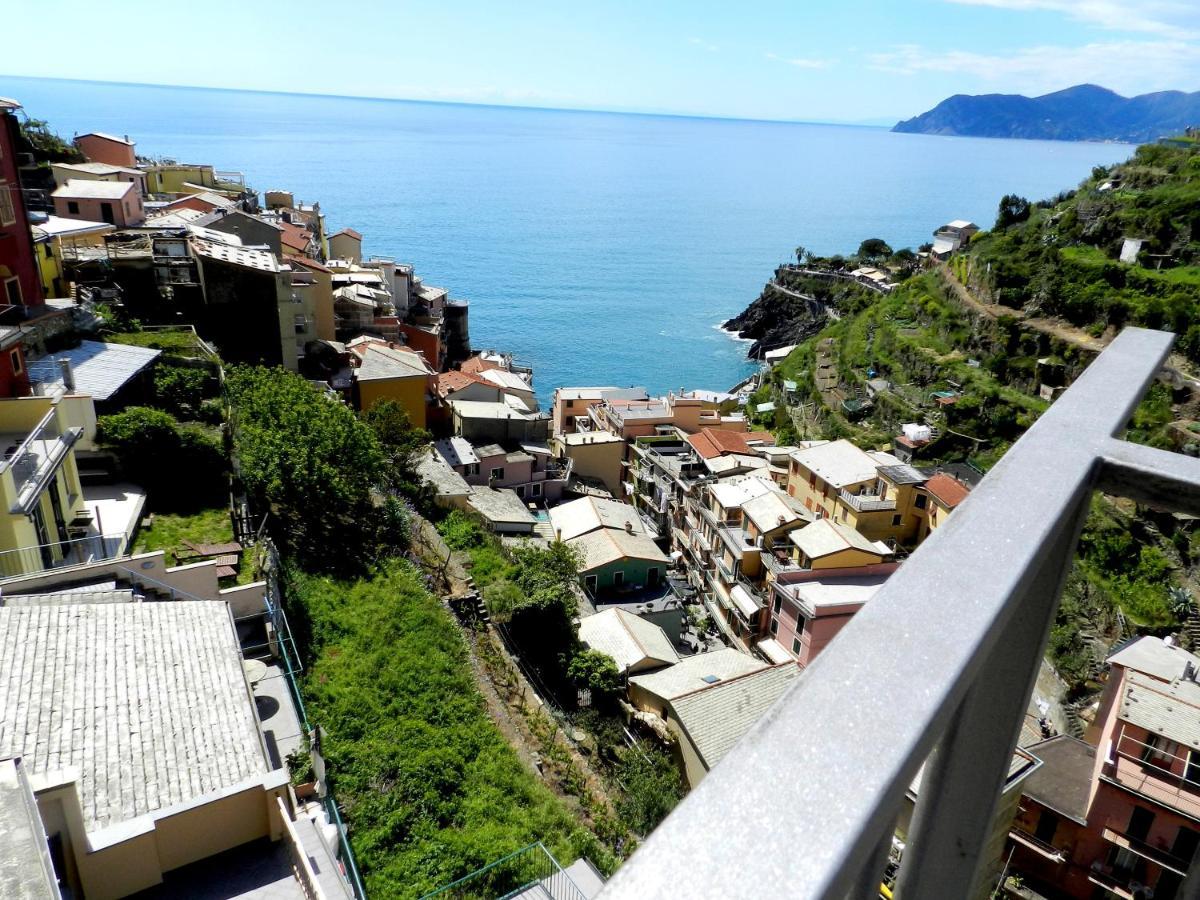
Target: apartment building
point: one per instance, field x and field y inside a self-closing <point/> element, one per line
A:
<point x="20" y="286"/>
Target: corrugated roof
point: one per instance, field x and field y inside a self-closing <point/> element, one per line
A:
<point x="1170" y="709"/>
<point x="147" y="701"/>
<point x="100" y="369"/>
<point x="689" y="674"/>
<point x="715" y="718"/>
<point x="631" y="641"/>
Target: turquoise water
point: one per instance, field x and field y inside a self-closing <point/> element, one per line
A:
<point x="600" y="248"/>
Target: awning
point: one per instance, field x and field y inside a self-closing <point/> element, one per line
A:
<point x="743" y="601"/>
<point x="774" y="651"/>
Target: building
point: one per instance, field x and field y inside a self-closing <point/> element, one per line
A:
<point x="529" y="470"/>
<point x="20" y="281"/>
<point x="501" y="510"/>
<point x="482" y="422"/>
<point x="588" y="514"/>
<point x="826" y="544"/>
<point x="571" y="405"/>
<point x="808" y="609"/>
<point x="98" y="171"/>
<point x="346" y="244"/>
<point x="945" y="494"/>
<point x="386" y="371"/>
<point x="55" y="238"/>
<point x="117" y="203"/>
<point x="109" y="149"/>
<point x="1119" y="813"/>
<point x="616" y="564"/>
<point x="135" y="724"/>
<point x="596" y="458"/>
<point x="251" y="229"/>
<point x="189" y="178"/>
<point x="321" y="289"/>
<point x="633" y="643"/>
<point x="953" y="236"/>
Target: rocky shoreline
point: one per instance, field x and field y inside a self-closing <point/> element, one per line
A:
<point x="775" y="319"/>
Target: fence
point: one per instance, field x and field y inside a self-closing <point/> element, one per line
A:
<point x="60" y="554"/>
<point x="935" y="671"/>
<point x="532" y="872"/>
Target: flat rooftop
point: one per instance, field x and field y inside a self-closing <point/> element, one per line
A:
<point x="147" y="702"/>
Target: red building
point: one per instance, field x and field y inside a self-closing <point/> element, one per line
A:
<point x="20" y="285"/>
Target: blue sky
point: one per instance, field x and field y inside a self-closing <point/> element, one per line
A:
<point x="815" y="60"/>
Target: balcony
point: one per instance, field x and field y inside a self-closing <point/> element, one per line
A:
<point x="1157" y="855"/>
<point x="1037" y="845"/>
<point x="936" y="670"/>
<point x="866" y="502"/>
<point x="34" y="457"/>
<point x="1145" y="770"/>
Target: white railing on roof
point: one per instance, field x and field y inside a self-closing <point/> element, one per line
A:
<point x="937" y="669"/>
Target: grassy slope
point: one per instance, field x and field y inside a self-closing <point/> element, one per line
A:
<point x="431" y="789"/>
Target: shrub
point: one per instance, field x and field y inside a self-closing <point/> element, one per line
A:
<point x="180" y="390"/>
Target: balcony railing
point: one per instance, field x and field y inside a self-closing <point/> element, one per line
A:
<point x="531" y="872"/>
<point x="37" y="457"/>
<point x="866" y="502"/>
<point x="1035" y="843"/>
<point x="937" y="670"/>
<point x="1160" y="856"/>
<point x="58" y="555"/>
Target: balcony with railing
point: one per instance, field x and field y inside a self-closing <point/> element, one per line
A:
<point x="1154" y="772"/>
<point x="33" y="457"/>
<point x="866" y="502"/>
<point x="1114" y="832"/>
<point x="1037" y="845"/>
<point x="935" y="671"/>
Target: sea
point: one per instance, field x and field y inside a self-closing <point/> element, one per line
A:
<point x="600" y="248"/>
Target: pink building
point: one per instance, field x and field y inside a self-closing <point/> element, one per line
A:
<point x="1118" y="815"/>
<point x="118" y="203"/>
<point x="809" y="607"/>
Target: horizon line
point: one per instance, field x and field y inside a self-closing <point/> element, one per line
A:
<point x="568" y="109"/>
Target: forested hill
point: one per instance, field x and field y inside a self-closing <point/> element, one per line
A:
<point x="1085" y="112"/>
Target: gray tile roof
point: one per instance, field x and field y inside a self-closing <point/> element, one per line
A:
<point x="25" y="872"/>
<point x="66" y="598"/>
<point x="147" y="701"/>
<point x="1064" y="782"/>
<point x="715" y="718"/>
<point x="1172" y="710"/>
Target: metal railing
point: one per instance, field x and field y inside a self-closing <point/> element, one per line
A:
<point x="38" y="456"/>
<point x="531" y="871"/>
<point x="61" y="554"/>
<point x="936" y="670"/>
<point x="866" y="502"/>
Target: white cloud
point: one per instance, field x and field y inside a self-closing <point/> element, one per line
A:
<point x="801" y="62"/>
<point x="1173" y="19"/>
<point x="703" y="44"/>
<point x="1128" y="67"/>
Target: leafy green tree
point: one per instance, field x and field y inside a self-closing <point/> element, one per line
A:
<point x="181" y="390"/>
<point x="652" y="786"/>
<point x="595" y="671"/>
<point x="1013" y="209"/>
<point x="402" y="444"/>
<point x="874" y="249"/>
<point x="316" y="466"/>
<point x="801" y="254"/>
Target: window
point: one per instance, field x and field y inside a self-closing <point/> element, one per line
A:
<point x="12" y="292"/>
<point x="1046" y="826"/>
<point x="800" y="623"/>
<point x="896" y="520"/>
<point x="796" y="645"/>
<point x="589" y="582"/>
<point x="1159" y="751"/>
<point x="1192" y="772"/>
<point x="1140" y="821"/>
<point x="774" y="626"/>
<point x="472" y="469"/>
<point x="920" y="501"/>
<point x="521" y="491"/>
<point x="496" y="474"/>
<point x="14" y="359"/>
<point x="8" y="215"/>
<point x="652" y="576"/>
<point x="301" y="324"/>
<point x="535" y="489"/>
<point x="778" y="602"/>
<point x="72" y="207"/>
<point x="618" y="579"/>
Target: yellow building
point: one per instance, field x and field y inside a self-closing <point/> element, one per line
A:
<point x="387" y="371"/>
<point x="826" y="544"/>
<point x="870" y="491"/>
<point x="322" y="297"/>
<point x="174" y="178"/>
<point x="40" y="494"/>
<point x="595" y="456"/>
<point x="945" y="494"/>
<point x="57" y="236"/>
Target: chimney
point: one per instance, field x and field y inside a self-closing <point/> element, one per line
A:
<point x="68" y="374"/>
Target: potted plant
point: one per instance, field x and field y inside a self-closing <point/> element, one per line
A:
<point x="300" y="768"/>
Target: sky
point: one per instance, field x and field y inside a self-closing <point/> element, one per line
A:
<point x="811" y="60"/>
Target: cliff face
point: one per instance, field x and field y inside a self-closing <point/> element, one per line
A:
<point x="776" y="319"/>
<point x="1085" y="112"/>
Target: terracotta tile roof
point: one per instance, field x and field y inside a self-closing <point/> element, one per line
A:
<point x="950" y="491"/>
<point x="449" y="382"/>
<point x="311" y="264"/>
<point x="349" y="232"/>
<point x="294" y="236"/>
<point x="477" y="364"/>
<point x="714" y="442"/>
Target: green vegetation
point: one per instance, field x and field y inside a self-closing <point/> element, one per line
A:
<point x="318" y="468"/>
<point x="172" y="343"/>
<point x="183" y="467"/>
<point x="206" y="526"/>
<point x="46" y="146"/>
<point x="430" y="788"/>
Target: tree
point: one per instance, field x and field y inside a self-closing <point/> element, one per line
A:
<point x="180" y="390"/>
<point x="873" y="249"/>
<point x="316" y="466"/>
<point x="1012" y="210"/>
<point x="802" y="254"/>
<point x="595" y="671"/>
<point x="400" y="439"/>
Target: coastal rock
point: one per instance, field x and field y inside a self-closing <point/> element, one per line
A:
<point x="776" y="319"/>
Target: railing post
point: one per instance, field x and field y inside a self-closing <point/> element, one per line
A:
<point x="961" y="785"/>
